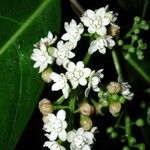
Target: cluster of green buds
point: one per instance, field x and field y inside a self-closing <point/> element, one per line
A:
<point x="136" y="44"/>
<point x="111" y="98"/>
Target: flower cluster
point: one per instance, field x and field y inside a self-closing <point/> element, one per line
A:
<point x="101" y="29"/>
<point x="97" y="22"/>
<point x="55" y="126"/>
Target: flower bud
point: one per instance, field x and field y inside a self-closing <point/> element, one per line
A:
<point x="86" y="109"/>
<point x="132" y="140"/>
<point x="114" y="30"/>
<point x="98" y="109"/>
<point x="113" y="135"/>
<point x="86" y="122"/>
<point x="46" y="75"/>
<point x="114" y="108"/>
<point x="114" y="87"/>
<point x="140" y="122"/>
<point x="45" y="107"/>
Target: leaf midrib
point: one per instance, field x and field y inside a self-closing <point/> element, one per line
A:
<point x="25" y="25"/>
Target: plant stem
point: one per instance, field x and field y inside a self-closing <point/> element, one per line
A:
<point x="118" y="120"/>
<point x="145" y="8"/>
<point x="61" y="107"/>
<point x="138" y="68"/>
<point x="117" y="64"/>
<point x="72" y="103"/>
<point x="59" y="101"/>
<point x="87" y="58"/>
<point x="25" y="25"/>
<point x="77" y="7"/>
<point x="127" y="127"/>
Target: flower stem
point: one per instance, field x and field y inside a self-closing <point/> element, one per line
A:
<point x="127" y="127"/>
<point x="117" y="64"/>
<point x="59" y="101"/>
<point x="87" y="59"/>
<point x="138" y="68"/>
<point x="72" y="103"/>
<point x="145" y="8"/>
<point x="61" y="107"/>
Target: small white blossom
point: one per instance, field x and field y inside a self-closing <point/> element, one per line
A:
<point x="41" y="57"/>
<point x="55" y="126"/>
<point x="94" y="80"/>
<point x="77" y="74"/>
<point x="49" y="40"/>
<point x="73" y="32"/>
<point x="97" y="20"/>
<point x="63" y="52"/>
<point x="53" y="145"/>
<point x="100" y="44"/>
<point x="126" y="91"/>
<point x="80" y="139"/>
<point x="60" y="83"/>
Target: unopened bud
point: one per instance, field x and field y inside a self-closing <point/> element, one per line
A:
<point x="86" y="109"/>
<point x="114" y="108"/>
<point x="98" y="109"/>
<point x="46" y="75"/>
<point x="114" y="87"/>
<point x="45" y="107"/>
<point x="114" y="30"/>
<point x="86" y="122"/>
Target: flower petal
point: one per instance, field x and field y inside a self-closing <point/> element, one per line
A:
<point x="53" y="136"/>
<point x="61" y="114"/>
<point x="62" y="135"/>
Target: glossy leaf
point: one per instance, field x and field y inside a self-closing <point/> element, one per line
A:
<point x="22" y="23"/>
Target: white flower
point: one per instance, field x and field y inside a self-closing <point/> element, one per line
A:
<point x="77" y="74"/>
<point x="53" y="145"/>
<point x="49" y="40"/>
<point x="60" y="83"/>
<point x="55" y="126"/>
<point x="126" y="91"/>
<point x="100" y="44"/>
<point x="80" y="139"/>
<point x="94" y="80"/>
<point x="63" y="52"/>
<point x="41" y="57"/>
<point x="97" y="20"/>
<point x="73" y="32"/>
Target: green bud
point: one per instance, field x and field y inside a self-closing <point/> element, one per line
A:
<point x="125" y="148"/>
<point x="100" y="94"/>
<point x="105" y="103"/>
<point x="122" y="99"/>
<point x="132" y="140"/>
<point x="140" y="122"/>
<point x="113" y="135"/>
<point x="109" y="130"/>
<point x="137" y="19"/>
<point x="146" y="27"/>
<point x="136" y="31"/>
<point x="132" y="49"/>
<point x="135" y="37"/>
<point x="143" y="23"/>
<point x="120" y="42"/>
<point x="141" y="146"/>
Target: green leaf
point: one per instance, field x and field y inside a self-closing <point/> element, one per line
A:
<point x="22" y="23"/>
